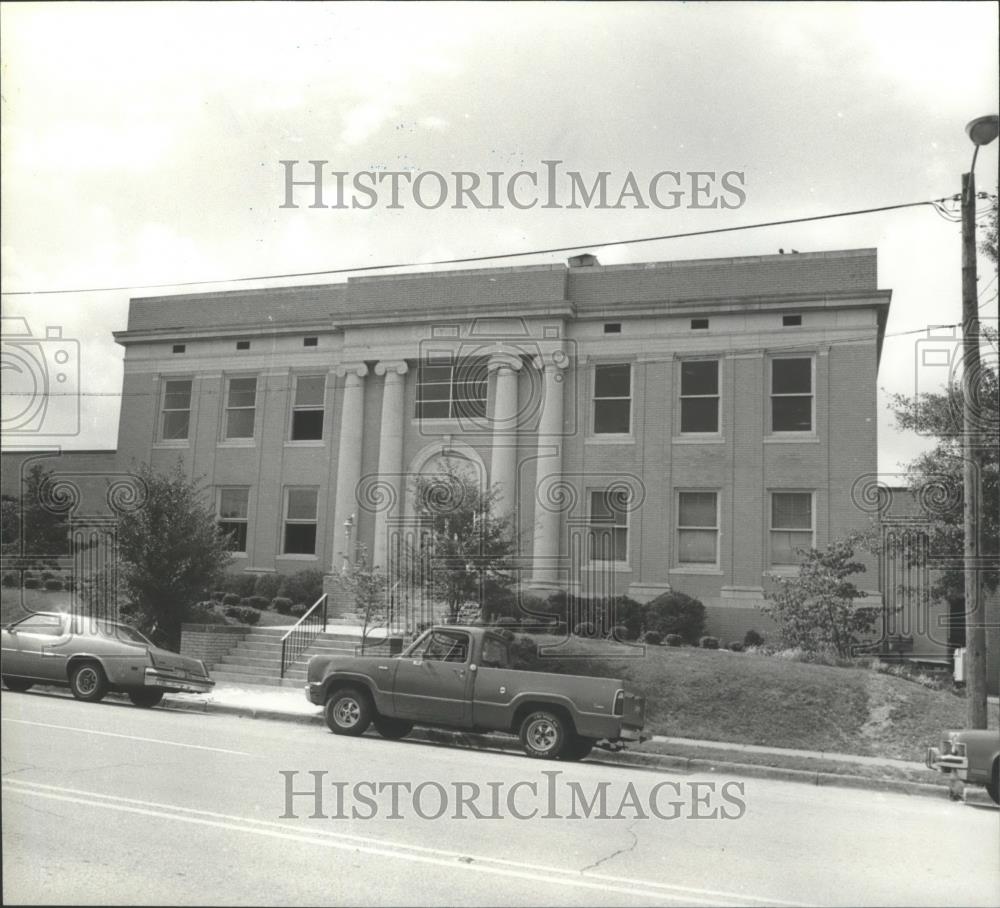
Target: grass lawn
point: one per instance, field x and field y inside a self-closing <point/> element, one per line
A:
<point x="719" y="695"/>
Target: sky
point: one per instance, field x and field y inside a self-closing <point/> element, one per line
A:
<point x="141" y="145"/>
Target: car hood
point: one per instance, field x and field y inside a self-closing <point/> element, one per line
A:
<point x="319" y="666"/>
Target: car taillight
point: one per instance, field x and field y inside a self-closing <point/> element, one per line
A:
<point x="619" y="707"/>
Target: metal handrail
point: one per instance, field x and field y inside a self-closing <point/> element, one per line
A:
<point x="301" y="634"/>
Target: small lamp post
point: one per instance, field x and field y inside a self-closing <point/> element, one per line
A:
<point x="348" y="531"/>
<point x="981" y="131"/>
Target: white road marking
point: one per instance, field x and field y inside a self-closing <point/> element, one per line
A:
<point x="647" y="889"/>
<point x="111" y="734"/>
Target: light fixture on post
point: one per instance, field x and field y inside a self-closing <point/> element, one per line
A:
<point x="981" y="131"/>
<point x="348" y="530"/>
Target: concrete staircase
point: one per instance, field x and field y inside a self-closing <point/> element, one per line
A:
<point x="256" y="659"/>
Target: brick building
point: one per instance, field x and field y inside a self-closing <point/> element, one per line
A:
<point x="672" y="425"/>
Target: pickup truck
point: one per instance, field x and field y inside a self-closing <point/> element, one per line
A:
<point x="461" y="677"/>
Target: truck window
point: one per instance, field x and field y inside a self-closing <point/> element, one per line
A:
<point x="444" y="647"/>
<point x="494" y="653"/>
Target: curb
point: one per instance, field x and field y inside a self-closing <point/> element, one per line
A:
<point x="633" y="760"/>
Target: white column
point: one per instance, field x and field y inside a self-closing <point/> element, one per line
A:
<point x="352" y="416"/>
<point x="390" y="456"/>
<point x="503" y="466"/>
<point x="549" y="519"/>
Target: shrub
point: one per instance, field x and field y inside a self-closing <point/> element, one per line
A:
<point x="203" y="613"/>
<point x="676" y="613"/>
<point x="303" y="587"/>
<point x="267" y="585"/>
<point x="654" y="638"/>
<point x="709" y="643"/>
<point x="230" y="599"/>
<point x="673" y="640"/>
<point x="54" y="585"/>
<point x="298" y="610"/>
<point x="47" y="575"/>
<point x="241" y="584"/>
<point x="620" y="632"/>
<point x="32" y="583"/>
<point x="736" y="646"/>
<point x="258" y="602"/>
<point x="218" y="595"/>
<point x="11" y="579"/>
<point x="585" y="629"/>
<point x="752" y="638"/>
<point x="282" y="605"/>
<point x="243" y="615"/>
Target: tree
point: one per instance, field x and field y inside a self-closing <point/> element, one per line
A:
<point x="935" y="477"/>
<point x="35" y="529"/>
<point x="466" y="551"/>
<point x="170" y="550"/>
<point x="815" y="609"/>
<point x="371" y="590"/>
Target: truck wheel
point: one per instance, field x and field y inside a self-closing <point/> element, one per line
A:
<point x="145" y="698"/>
<point x="393" y="729"/>
<point x="577" y="748"/>
<point x="348" y="712"/>
<point x="18" y="685"/>
<point x="993" y="786"/>
<point x="88" y="682"/>
<point x="544" y="734"/>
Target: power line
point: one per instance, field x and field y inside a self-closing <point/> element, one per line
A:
<point x="482" y="258"/>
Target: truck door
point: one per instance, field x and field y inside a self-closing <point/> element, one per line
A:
<point x="434" y="682"/>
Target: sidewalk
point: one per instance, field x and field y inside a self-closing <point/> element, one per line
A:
<point x="662" y="753"/>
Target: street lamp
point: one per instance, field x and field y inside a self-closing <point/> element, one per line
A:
<point x="981" y="131"/>
<point x="348" y="527"/>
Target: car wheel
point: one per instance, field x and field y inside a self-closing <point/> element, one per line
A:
<point x="88" y="682"/>
<point x="393" y="729"/>
<point x="18" y="685"/>
<point x="145" y="697"/>
<point x="544" y="734"/>
<point x="993" y="786"/>
<point x="348" y="712"/>
<point x="577" y="748"/>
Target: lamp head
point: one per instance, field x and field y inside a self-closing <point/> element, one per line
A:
<point x="983" y="130"/>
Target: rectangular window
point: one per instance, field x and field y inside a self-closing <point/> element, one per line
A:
<point x="179" y="348"/>
<point x="608" y="530"/>
<point x="791" y="394"/>
<point x="176" y="410"/>
<point x="310" y="342"/>
<point x="300" y="522"/>
<point x="241" y="405"/>
<point x="791" y="526"/>
<point x="699" y="324"/>
<point x="700" y="396"/>
<point x="242" y="345"/>
<point x="612" y="327"/>
<point x="307" y="409"/>
<point x="791" y="321"/>
<point x="452" y="390"/>
<point x="613" y="399"/>
<point x="234" y="506"/>
<point x="698" y="528"/>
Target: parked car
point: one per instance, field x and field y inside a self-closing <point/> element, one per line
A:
<point x="93" y="656"/>
<point x="461" y="677"/>
<point x="972" y="755"/>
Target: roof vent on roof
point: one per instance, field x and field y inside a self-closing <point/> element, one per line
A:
<point x="585" y="260"/>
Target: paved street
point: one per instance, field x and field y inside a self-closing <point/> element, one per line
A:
<point x="108" y="804"/>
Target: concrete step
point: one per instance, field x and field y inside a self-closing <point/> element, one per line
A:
<point x="240" y="678"/>
<point x="258" y="671"/>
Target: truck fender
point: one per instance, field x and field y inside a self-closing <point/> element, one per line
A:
<point x="380" y="698"/>
<point x="525" y="703"/>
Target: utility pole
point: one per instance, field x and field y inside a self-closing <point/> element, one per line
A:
<point x="975" y="617"/>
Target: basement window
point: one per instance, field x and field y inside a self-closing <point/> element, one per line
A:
<point x="791" y="321"/>
<point x="242" y="345"/>
<point x="310" y="342"/>
<point x="612" y="327"/>
<point x="699" y="324"/>
<point x="180" y="348"/>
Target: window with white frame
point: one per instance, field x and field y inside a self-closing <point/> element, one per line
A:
<point x="698" y="528"/>
<point x="175" y="411"/>
<point x="792" y="394"/>
<point x="241" y="407"/>
<point x="791" y="526"/>
<point x="700" y="396"/>
<point x="234" y="509"/>
<point x="450" y="389"/>
<point x="608" y="525"/>
<point x="613" y="399"/>
<point x="307" y="408"/>
<point x="300" y="522"/>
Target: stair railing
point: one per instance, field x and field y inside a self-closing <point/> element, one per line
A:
<point x="301" y="635"/>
